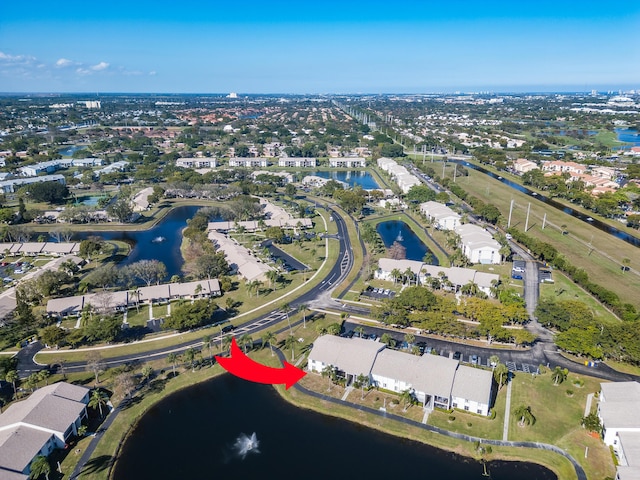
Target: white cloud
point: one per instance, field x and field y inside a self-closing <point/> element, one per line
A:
<point x="20" y="59"/>
<point x="100" y="66"/>
<point x="64" y="62"/>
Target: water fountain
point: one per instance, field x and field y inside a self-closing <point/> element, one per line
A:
<point x="245" y="445"/>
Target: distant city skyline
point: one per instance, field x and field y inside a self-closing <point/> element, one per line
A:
<point x="325" y="47"/>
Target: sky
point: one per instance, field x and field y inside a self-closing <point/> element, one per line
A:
<point x="346" y="46"/>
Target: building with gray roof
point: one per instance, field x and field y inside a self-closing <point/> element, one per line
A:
<point x="350" y="356"/>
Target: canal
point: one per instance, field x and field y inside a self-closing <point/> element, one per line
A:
<point x="398" y="231"/>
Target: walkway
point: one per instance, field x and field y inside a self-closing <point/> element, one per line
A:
<point x="347" y="391"/>
<point x="507" y="411"/>
<point x="587" y="408"/>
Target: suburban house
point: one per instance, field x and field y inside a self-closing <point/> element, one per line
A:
<point x="619" y="412"/>
<point x="248" y="162"/>
<point x="478" y="245"/>
<point x="124" y="299"/>
<point x="198" y="162"/>
<point x="442" y="216"/>
<point x="347" y="162"/>
<point x="433" y="380"/>
<point x="298" y="162"/>
<point x="10" y="186"/>
<point x="522" y="165"/>
<point x="456" y="277"/>
<point x="33" y="249"/>
<point x="36" y="426"/>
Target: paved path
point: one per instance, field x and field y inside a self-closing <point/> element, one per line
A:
<point x="347" y="391"/>
<point x="507" y="411"/>
<point x="587" y="408"/>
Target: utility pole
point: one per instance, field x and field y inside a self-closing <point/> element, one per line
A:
<point x="526" y="224"/>
<point x="510" y="211"/>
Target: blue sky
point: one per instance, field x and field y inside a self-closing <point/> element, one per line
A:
<point x="403" y="46"/>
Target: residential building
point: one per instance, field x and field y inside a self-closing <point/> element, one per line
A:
<point x="248" y="162"/>
<point x="285" y="176"/>
<point x="619" y="412"/>
<point x="443" y="217"/>
<point x="433" y="380"/>
<point x="118" y="166"/>
<point x="241" y="260"/>
<point x="10" y="186"/>
<point x="478" y="245"/>
<point x="347" y="162"/>
<point x="522" y="165"/>
<point x="451" y="277"/>
<point x="36" y="426"/>
<point x="197" y="162"/>
<point x="558" y="166"/>
<point x="298" y="162"/>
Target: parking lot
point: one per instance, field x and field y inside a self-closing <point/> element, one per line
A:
<point x="379" y="293"/>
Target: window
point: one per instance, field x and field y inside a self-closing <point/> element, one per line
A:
<point x="479" y="411"/>
<point x="466" y="407"/>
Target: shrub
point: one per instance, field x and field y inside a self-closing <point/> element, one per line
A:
<point x="569" y="393"/>
<point x="452" y="418"/>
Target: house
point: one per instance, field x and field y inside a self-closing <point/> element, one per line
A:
<point x="457" y="277"/>
<point x="248" y="162"/>
<point x="435" y="381"/>
<point x="10" y="186"/>
<point x="478" y="245"/>
<point x="298" y="162"/>
<point x="347" y="162"/>
<point x="239" y="258"/>
<point x="204" y="162"/>
<point x="522" y="165"/>
<point x="442" y="216"/>
<point x="36" y="426"/>
<point x="619" y="412"/>
<point x="559" y="167"/>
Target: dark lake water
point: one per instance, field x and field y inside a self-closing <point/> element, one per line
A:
<point x="68" y="151"/>
<point x="396" y="230"/>
<point x="191" y="435"/>
<point x="144" y="247"/>
<point x="351" y="177"/>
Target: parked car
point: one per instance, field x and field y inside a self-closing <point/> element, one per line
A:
<point x="457" y="355"/>
<point x="474" y="359"/>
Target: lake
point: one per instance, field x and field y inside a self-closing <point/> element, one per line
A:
<point x="628" y="135"/>
<point x="143" y="245"/>
<point x="69" y="151"/>
<point x="396" y="230"/>
<point x="361" y="178"/>
<point x="193" y="434"/>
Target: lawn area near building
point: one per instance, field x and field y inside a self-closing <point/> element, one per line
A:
<point x="586" y="247"/>
<point x="558" y="410"/>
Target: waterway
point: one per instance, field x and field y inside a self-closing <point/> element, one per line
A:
<point x="605" y="227"/>
<point x="199" y="432"/>
<point x="361" y="178"/>
<point x="161" y="242"/>
<point x="398" y="231"/>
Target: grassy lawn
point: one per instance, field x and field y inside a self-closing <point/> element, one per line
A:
<point x="565" y="289"/>
<point x="602" y="261"/>
<point x="558" y="417"/>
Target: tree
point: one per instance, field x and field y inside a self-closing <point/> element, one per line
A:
<point x="90" y="247"/>
<point x="388" y="340"/>
<point x="329" y="372"/>
<point x="285" y="308"/>
<point x="501" y="374"/>
<point x="396" y="274"/>
<point x="147" y="372"/>
<point x="95" y="364"/>
<point x="40" y="466"/>
<point x="53" y="335"/>
<point x="268" y="337"/>
<point x="98" y="399"/>
<point x="12" y="377"/>
<point x="303" y="307"/>
<point x="275" y="233"/>
<point x="43" y="376"/>
<point x="121" y="210"/>
<point x="359" y="330"/>
<point x="397" y="252"/>
<point x="50" y="192"/>
<point x="406" y="397"/>
<point x="211" y="266"/>
<point x="245" y="341"/>
<point x="409" y="338"/>
<point x="189" y="357"/>
<point x="290" y="342"/>
<point x="207" y="341"/>
<point x="149" y="271"/>
<point x="361" y="381"/>
<point x="172" y="358"/>
<point x="559" y="375"/>
<point x="523" y="412"/>
<point x="592" y="423"/>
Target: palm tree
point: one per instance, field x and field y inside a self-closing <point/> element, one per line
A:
<point x="408" y="275"/>
<point x="189" y="357"/>
<point x="321" y="329"/>
<point x="12" y="377"/>
<point x="388" y="340"/>
<point x="359" y="330"/>
<point x="226" y="342"/>
<point x="43" y="375"/>
<point x="208" y="342"/>
<point x="406" y="397"/>
<point x="290" y="342"/>
<point x="559" y="375"/>
<point x="268" y="337"/>
<point x="98" y="399"/>
<point x="272" y="276"/>
<point x="285" y="308"/>
<point x="245" y="340"/>
<point x="147" y="372"/>
<point x="361" y="382"/>
<point x="40" y="466"/>
<point x="396" y="274"/>
<point x="523" y="412"/>
<point x="329" y="372"/>
<point x="409" y="338"/>
<point x="428" y="258"/>
<point x="494" y="360"/>
<point x="172" y="358"/>
<point x="500" y="372"/>
<point x="303" y="307"/>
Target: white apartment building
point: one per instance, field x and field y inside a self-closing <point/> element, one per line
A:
<point x="347" y="162"/>
<point x="298" y="162"/>
<point x="442" y="216"/>
<point x="198" y="162"/>
<point x="248" y="162"/>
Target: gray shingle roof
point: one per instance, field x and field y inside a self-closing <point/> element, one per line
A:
<point x="473" y="384"/>
<point x="353" y="356"/>
<point x="18" y="446"/>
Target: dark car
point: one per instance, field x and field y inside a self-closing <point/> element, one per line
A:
<point x="457" y="355"/>
<point x="228" y="328"/>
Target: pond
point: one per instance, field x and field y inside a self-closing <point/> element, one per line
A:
<point x="161" y="242"/>
<point x="206" y="431"/>
<point x="361" y="178"/>
<point x="398" y="231"/>
<point x="69" y="151"/>
<point x="628" y="135"/>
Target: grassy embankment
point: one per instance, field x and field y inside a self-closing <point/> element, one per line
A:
<point x="586" y="247"/>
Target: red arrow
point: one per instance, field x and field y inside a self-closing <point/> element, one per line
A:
<point x="242" y="366"/>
